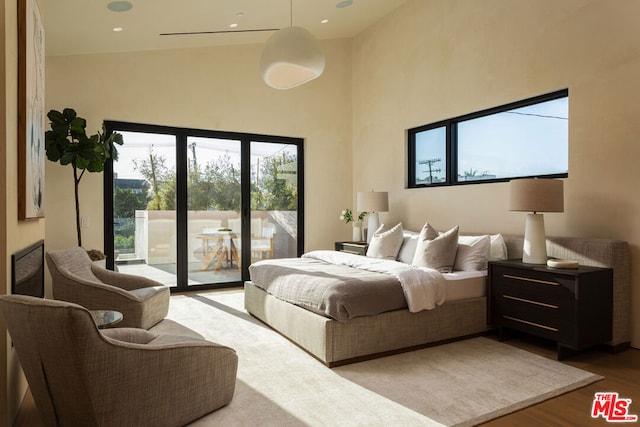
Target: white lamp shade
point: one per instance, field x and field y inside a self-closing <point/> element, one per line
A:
<point x="373" y="201"/>
<point x="536" y="195"/>
<point x="291" y="57"/>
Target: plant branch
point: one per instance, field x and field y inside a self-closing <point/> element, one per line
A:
<point x="76" y="181"/>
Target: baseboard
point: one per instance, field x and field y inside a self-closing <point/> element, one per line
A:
<point x="617" y="348"/>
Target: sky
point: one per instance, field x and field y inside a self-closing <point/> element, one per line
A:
<point x="526" y="141"/>
<point x="136" y="146"/>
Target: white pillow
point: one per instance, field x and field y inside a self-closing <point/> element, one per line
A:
<point x="473" y="253"/>
<point x="408" y="248"/>
<point x="385" y="243"/>
<point x="436" y="251"/>
<point x="498" y="248"/>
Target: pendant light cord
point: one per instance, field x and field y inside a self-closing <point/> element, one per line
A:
<point x="291" y="13"/>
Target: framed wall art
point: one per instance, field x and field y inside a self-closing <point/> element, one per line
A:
<point x="31" y="115"/>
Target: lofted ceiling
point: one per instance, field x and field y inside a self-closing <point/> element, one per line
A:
<point x="86" y="26"/>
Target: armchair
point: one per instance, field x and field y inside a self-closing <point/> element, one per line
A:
<point x="143" y="302"/>
<point x="79" y="375"/>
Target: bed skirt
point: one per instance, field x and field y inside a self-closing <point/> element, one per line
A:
<point x="337" y="343"/>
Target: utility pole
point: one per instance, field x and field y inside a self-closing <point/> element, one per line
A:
<point x="193" y="152"/>
<point x="432" y="170"/>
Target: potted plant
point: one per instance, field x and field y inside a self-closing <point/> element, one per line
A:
<point x="348" y="216"/>
<point x="67" y="142"/>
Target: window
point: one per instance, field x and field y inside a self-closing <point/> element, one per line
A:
<point x="529" y="138"/>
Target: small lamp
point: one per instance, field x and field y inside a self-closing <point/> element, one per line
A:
<point x="373" y="202"/>
<point x="535" y="195"/>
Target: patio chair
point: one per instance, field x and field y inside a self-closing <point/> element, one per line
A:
<point x="143" y="302"/>
<point x="82" y="376"/>
<point x="263" y="247"/>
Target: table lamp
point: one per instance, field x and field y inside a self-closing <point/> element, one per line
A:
<point x="535" y="195"/>
<point x="372" y="202"/>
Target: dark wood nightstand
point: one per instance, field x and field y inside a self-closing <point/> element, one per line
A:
<point x="570" y="306"/>
<point x="358" y="248"/>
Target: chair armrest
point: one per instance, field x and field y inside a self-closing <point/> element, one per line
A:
<point x="129" y="335"/>
<point x="97" y="286"/>
<point x="141" y="339"/>
<point x="122" y="280"/>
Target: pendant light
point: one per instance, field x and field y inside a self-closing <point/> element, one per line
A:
<point x="291" y="57"/>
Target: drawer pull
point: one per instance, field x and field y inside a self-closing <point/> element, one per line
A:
<point x="549" y="328"/>
<point x="526" y="279"/>
<point x="531" y="301"/>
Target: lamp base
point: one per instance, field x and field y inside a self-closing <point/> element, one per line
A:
<point x="535" y="241"/>
<point x="372" y="225"/>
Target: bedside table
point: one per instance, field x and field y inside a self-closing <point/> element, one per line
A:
<point x="570" y="306"/>
<point x="358" y="248"/>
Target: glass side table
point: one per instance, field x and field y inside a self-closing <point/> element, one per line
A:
<point x="105" y="318"/>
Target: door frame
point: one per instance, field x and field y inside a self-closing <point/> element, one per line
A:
<point x="181" y="134"/>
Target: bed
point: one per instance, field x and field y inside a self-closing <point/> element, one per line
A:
<point x="359" y="337"/>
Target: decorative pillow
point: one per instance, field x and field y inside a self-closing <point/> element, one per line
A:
<point x="385" y="243"/>
<point x="473" y="253"/>
<point x="436" y="251"/>
<point x="408" y="248"/>
<point x="498" y="248"/>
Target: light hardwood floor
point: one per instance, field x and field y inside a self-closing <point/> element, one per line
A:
<point x="621" y="371"/>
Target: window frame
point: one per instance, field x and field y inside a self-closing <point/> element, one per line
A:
<point x="451" y="143"/>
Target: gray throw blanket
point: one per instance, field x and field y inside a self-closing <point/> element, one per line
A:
<point x="343" y="286"/>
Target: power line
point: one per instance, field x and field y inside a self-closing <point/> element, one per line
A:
<point x="544" y="116"/>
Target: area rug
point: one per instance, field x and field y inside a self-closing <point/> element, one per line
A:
<point x="461" y="383"/>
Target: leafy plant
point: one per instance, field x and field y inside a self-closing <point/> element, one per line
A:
<point x="347" y="216"/>
<point x="67" y="142"/>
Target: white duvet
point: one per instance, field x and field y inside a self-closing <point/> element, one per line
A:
<point x="423" y="288"/>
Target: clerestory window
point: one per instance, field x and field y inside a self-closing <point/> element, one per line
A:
<point x="528" y="138"/>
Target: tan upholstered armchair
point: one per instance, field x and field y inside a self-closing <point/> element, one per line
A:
<point x="82" y="376"/>
<point x="143" y="302"/>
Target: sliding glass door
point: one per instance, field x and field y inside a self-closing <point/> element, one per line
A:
<point x="214" y="202"/>
<point x="194" y="209"/>
<point x="143" y="210"/>
<point x="274" y="200"/>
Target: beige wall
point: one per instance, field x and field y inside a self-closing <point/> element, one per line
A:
<point x="14" y="234"/>
<point x="458" y="57"/>
<point x="214" y="88"/>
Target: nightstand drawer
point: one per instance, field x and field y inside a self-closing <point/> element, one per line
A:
<point x="542" y="318"/>
<point x="357" y="248"/>
<point x="533" y="328"/>
<point x="543" y="290"/>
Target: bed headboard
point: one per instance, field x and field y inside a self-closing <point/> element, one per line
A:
<point x="599" y="253"/>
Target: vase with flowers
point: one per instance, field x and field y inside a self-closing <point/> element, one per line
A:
<point x="348" y="216"/>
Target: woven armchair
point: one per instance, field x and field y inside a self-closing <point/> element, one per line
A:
<point x="82" y="376"/>
<point x="143" y="302"/>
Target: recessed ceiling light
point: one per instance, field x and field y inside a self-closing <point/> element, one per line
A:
<point x="233" y="25"/>
<point x="118" y="29"/>
<point x="324" y="21"/>
<point x="344" y="3"/>
<point x="119" y="6"/>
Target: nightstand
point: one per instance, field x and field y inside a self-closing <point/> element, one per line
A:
<point x="358" y="248"/>
<point x="570" y="306"/>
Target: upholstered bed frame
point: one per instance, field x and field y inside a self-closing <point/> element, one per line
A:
<point x="337" y="343"/>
